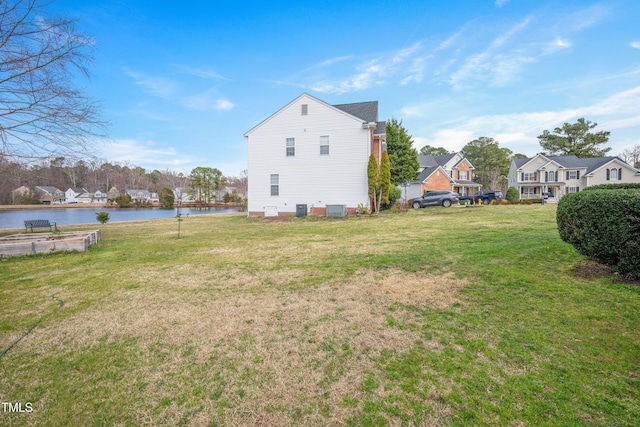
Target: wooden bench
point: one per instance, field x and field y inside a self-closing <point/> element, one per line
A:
<point x="38" y="223"/>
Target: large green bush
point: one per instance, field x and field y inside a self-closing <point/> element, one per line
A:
<point x="513" y="194"/>
<point x="603" y="225"/>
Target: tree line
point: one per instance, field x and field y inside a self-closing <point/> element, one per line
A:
<point x="204" y="183"/>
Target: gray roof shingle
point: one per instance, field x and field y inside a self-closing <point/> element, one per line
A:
<point x="367" y="111"/>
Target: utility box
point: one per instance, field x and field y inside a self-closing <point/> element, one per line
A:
<point x="301" y="211"/>
<point x="336" y="210"/>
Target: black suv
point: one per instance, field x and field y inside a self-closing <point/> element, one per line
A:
<point x="487" y="196"/>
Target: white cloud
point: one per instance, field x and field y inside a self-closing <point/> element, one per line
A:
<point x="148" y="154"/>
<point x="157" y="86"/>
<point x="203" y="73"/>
<point x="519" y="131"/>
<point x="635" y="44"/>
<point x="500" y="3"/>
<point x="208" y="101"/>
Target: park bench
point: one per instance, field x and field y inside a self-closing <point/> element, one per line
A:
<point x="38" y="223"/>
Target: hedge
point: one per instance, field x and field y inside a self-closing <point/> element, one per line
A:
<point x="621" y="186"/>
<point x="603" y="225"/>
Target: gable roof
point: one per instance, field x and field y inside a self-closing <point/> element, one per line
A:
<point x="428" y="171"/>
<point x="363" y="111"/>
<point x="427" y="161"/>
<point x="572" y="162"/>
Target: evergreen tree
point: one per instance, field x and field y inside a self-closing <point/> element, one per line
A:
<point x="372" y="175"/>
<point x="575" y="139"/>
<point x="384" y="178"/>
<point x="403" y="157"/>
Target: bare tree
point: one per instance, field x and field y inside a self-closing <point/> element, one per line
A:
<point x="41" y="112"/>
<point x="632" y="156"/>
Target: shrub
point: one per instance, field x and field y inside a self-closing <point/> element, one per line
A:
<point x="102" y="217"/>
<point x="123" y="201"/>
<point x="167" y="198"/>
<point x="400" y="206"/>
<point x="621" y="186"/>
<point x="603" y="225"/>
<point x="394" y="194"/>
<point x="512" y="194"/>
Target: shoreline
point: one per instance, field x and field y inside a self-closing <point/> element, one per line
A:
<point x="104" y="206"/>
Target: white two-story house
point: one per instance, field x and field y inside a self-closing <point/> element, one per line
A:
<point x="312" y="153"/>
<point x="559" y="175"/>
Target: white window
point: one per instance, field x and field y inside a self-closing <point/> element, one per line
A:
<point x="552" y="176"/>
<point x="275" y="184"/>
<point x="613" y="174"/>
<point x="324" y="145"/>
<point x="529" y="176"/>
<point x="463" y="175"/>
<point x="291" y="147"/>
<point x="528" y="191"/>
<point x="573" y="189"/>
<point x="573" y="175"/>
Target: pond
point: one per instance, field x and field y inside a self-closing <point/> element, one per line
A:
<point x="71" y="216"/>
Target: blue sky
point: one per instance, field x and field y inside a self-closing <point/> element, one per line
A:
<point x="181" y="82"/>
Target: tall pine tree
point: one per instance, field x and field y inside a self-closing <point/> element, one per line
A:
<point x="402" y="156"/>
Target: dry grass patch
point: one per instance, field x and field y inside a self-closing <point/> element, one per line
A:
<point x="267" y="357"/>
<point x="416" y="289"/>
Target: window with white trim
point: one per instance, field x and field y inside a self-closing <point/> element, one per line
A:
<point x="573" y="189"/>
<point x="529" y="176"/>
<point x="613" y="174"/>
<point x="528" y="191"/>
<point x="275" y="184"/>
<point x="463" y="175"/>
<point x="573" y="175"/>
<point x="291" y="147"/>
<point x="552" y="176"/>
<point x="324" y="145"/>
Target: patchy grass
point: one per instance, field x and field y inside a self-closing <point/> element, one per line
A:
<point x="434" y="317"/>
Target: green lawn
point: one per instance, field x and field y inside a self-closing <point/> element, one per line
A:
<point x="459" y="316"/>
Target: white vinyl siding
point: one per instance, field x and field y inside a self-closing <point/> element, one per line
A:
<point x="339" y="178"/>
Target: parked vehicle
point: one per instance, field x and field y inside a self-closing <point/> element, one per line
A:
<point x="436" y="198"/>
<point x="487" y="196"/>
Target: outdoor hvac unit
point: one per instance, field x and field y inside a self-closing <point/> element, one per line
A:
<point x="337" y="210"/>
<point x="301" y="210"/>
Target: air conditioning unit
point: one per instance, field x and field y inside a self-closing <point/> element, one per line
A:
<point x="336" y="210"/>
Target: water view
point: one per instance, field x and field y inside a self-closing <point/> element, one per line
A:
<point x="70" y="216"/>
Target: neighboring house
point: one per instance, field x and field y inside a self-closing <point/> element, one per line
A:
<point x="50" y="195"/>
<point x="98" y="196"/>
<point x="559" y="175"/>
<point x="312" y="153"/>
<point x="72" y="194"/>
<point x="82" y="195"/>
<point x="448" y="172"/>
<point x="44" y="194"/>
<point x="143" y="196"/>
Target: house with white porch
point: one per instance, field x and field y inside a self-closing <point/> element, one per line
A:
<point x="314" y="154"/>
<point x="556" y="176"/>
<point x="143" y="196"/>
